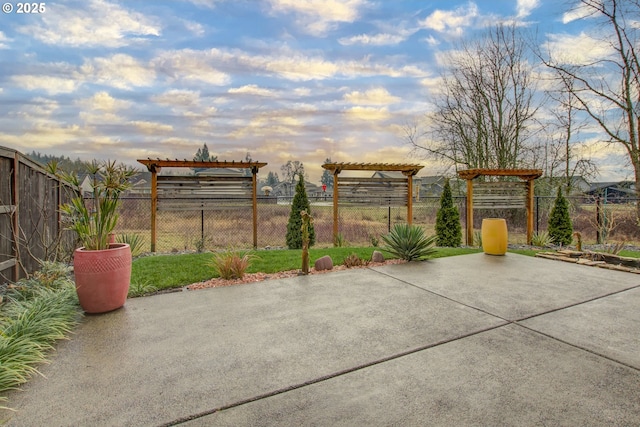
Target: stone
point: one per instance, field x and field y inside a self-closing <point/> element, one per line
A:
<point x="323" y="263"/>
<point x="377" y="256"/>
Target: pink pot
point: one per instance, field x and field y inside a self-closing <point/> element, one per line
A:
<point x="102" y="277"/>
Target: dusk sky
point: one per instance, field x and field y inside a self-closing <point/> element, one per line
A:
<point x="280" y="79"/>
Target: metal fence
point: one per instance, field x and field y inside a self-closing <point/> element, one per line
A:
<point x="30" y="226"/>
<point x="229" y="225"/>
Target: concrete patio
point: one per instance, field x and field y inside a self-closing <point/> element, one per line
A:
<point x="467" y="340"/>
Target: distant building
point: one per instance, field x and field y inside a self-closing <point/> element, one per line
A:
<point x="613" y="192"/>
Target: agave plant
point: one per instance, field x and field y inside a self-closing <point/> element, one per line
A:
<point x="409" y="242"/>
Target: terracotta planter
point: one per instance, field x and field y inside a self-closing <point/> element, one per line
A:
<point x="494" y="236"/>
<point x="102" y="277"/>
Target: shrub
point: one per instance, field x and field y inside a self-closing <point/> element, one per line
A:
<point x="560" y="229"/>
<point x="409" y="242"/>
<point x="353" y="260"/>
<point x="135" y="241"/>
<point x="294" y="227"/>
<point x="33" y="316"/>
<point x="448" y="229"/>
<point x="541" y="239"/>
<point x="230" y="264"/>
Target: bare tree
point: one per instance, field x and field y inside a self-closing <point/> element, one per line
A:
<point x="485" y="113"/>
<point x="607" y="89"/>
<point x="560" y="158"/>
<point x="291" y="170"/>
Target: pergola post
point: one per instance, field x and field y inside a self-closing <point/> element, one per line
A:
<point x="154" y="206"/>
<point x="469" y="212"/>
<point x="254" y="196"/>
<point x="336" y="172"/>
<point x="529" y="210"/>
<point x="409" y="199"/>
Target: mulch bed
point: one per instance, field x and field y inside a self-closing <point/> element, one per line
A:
<point x="260" y="277"/>
<point x="595" y="259"/>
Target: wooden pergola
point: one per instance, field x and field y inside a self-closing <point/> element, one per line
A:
<point x="155" y="165"/>
<point x="403" y="184"/>
<point x="501" y="194"/>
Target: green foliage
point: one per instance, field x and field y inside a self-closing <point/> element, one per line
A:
<point x="409" y="242"/>
<point x="95" y="219"/>
<point x="135" y="241"/>
<point x="477" y="239"/>
<point x="140" y="288"/>
<point x="294" y="227"/>
<point x="339" y="241"/>
<point x="541" y="239"/>
<point x="34" y="315"/>
<point x="353" y="260"/>
<point x="231" y="264"/>
<point x="560" y="228"/>
<point x="448" y="229"/>
<point x="374" y="240"/>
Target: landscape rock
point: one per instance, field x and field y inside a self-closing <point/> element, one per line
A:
<point x="324" y="263"/>
<point x="377" y="256"/>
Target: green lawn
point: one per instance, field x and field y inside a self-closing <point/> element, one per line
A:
<point x="172" y="271"/>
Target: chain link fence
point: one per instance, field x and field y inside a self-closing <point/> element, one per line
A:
<point x="230" y="223"/>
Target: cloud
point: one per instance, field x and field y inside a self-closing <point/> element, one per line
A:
<point x="376" y="96"/>
<point x="51" y="85"/>
<point x="374" y="40"/>
<point x="251" y="90"/>
<point x="367" y="113"/>
<point x="452" y="22"/>
<point x="191" y="65"/>
<point x="90" y="24"/>
<point x="317" y="17"/>
<point x="577" y="49"/>
<point x="3" y="41"/>
<point x="151" y="128"/>
<point x="178" y="98"/>
<point x="120" y="71"/>
<point x="102" y="101"/>
<point x="524" y="7"/>
<point x="579" y="11"/>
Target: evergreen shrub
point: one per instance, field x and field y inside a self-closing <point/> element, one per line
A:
<point x="294" y="227"/>
<point x="448" y="229"/>
<point x="560" y="229"/>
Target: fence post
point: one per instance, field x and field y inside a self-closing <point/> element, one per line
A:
<point x="389" y="221"/>
<point x="598" y="220"/>
<point x="537" y="214"/>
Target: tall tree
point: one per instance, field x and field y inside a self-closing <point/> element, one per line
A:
<point x="607" y="88"/>
<point x="272" y="179"/>
<point x="291" y="170"/>
<point x="202" y="155"/>
<point x="327" y="177"/>
<point x="448" y="228"/>
<point x="486" y="106"/>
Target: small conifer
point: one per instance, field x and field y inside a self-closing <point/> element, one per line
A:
<point x="559" y="228"/>
<point x="448" y="229"/>
<point x="294" y="227"/>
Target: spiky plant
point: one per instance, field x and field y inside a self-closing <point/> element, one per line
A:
<point x="409" y="242"/>
<point x="231" y="264"/>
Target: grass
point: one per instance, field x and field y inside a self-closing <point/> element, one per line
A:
<point x="35" y="314"/>
<point x="172" y="271"/>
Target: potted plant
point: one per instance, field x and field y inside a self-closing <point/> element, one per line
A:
<point x="102" y="269"/>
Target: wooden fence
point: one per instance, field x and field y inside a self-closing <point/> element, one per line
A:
<point x="30" y="221"/>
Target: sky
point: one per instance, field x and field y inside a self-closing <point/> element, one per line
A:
<point x="281" y="80"/>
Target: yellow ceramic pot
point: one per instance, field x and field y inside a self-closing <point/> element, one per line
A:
<point x="494" y="236"/>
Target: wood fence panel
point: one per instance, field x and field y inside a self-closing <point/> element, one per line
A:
<point x="39" y="229"/>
